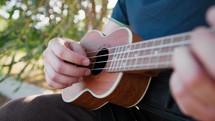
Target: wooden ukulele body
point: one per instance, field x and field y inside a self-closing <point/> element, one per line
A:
<point x="121" y="88"/>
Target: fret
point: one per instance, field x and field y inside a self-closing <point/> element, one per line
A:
<point x="160" y="42"/>
<point x="145" y="52"/>
<point x="124" y="57"/>
<point x="159" y="51"/>
<point x="187" y="36"/>
<point x="113" y="63"/>
<point x="136" y="55"/>
<point x="157" y="64"/>
<point x="109" y="61"/>
<point x="169" y="44"/>
<point x="148" y="47"/>
<point x="150" y="54"/>
<point x="166" y="40"/>
<point x="119" y="55"/>
<point x="170" y="49"/>
<point x="177" y="39"/>
<point x="131" y="55"/>
<point x="128" y="49"/>
<point x="150" y="43"/>
<point x="141" y="54"/>
<point x="148" y="65"/>
<point x="144" y="56"/>
<point x="155" y="53"/>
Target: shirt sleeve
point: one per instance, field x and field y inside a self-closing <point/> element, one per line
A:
<point x="119" y="14"/>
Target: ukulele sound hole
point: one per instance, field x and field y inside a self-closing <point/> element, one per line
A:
<point x="100" y="61"/>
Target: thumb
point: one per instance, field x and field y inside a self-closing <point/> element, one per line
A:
<point x="75" y="47"/>
<point x="211" y="16"/>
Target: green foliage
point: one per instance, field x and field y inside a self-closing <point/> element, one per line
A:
<point x="30" y="24"/>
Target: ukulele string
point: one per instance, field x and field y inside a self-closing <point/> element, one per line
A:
<point x="186" y="35"/>
<point x="135" y="66"/>
<point x="144" y="42"/>
<point x="142" y="49"/>
<point x="133" y="58"/>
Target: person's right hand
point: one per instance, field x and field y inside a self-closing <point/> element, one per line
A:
<point x="61" y="58"/>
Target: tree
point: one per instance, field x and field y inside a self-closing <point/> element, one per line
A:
<point x="28" y="25"/>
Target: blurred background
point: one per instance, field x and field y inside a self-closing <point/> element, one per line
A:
<point x="26" y="26"/>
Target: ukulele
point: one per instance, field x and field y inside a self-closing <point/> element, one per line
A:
<point x="121" y="67"/>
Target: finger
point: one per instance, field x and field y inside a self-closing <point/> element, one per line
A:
<point x="202" y="45"/>
<point x="188" y="103"/>
<point x="59" y="78"/>
<point x="55" y="84"/>
<point x="66" y="68"/>
<point x="52" y="83"/>
<point x="75" y="47"/>
<point x="193" y="76"/>
<point x="211" y="16"/>
<point x="58" y="47"/>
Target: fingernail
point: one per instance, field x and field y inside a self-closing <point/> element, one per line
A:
<point x="86" y="62"/>
<point x="87" y="73"/>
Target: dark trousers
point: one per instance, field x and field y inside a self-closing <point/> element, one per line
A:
<point x="157" y="105"/>
<point x="52" y="108"/>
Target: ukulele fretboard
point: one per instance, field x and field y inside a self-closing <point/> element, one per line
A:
<point x="146" y="55"/>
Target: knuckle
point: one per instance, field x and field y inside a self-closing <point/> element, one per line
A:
<point x="54" y="77"/>
<point x="191" y="83"/>
<point x="79" y="72"/>
<point x="179" y="93"/>
<point x="61" y="52"/>
<point x="54" y="39"/>
<point x="75" y="79"/>
<point x="61" y="86"/>
<point x="194" y="81"/>
<point x="70" y="80"/>
<point x="59" y="68"/>
<point x="50" y="83"/>
<point x="51" y="41"/>
<point x="55" y="85"/>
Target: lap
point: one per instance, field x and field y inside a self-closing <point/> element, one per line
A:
<point x="44" y="108"/>
<point x="52" y="108"/>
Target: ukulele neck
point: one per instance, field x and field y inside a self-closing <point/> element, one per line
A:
<point x="146" y="55"/>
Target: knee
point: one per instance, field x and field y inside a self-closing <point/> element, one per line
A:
<point x="26" y="108"/>
<point x="11" y="109"/>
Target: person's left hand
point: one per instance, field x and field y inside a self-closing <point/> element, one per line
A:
<point x="193" y="80"/>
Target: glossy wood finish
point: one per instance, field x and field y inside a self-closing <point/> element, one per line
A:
<point x="139" y="61"/>
<point x="124" y="89"/>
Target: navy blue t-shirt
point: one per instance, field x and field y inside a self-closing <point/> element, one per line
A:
<point x="156" y="18"/>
